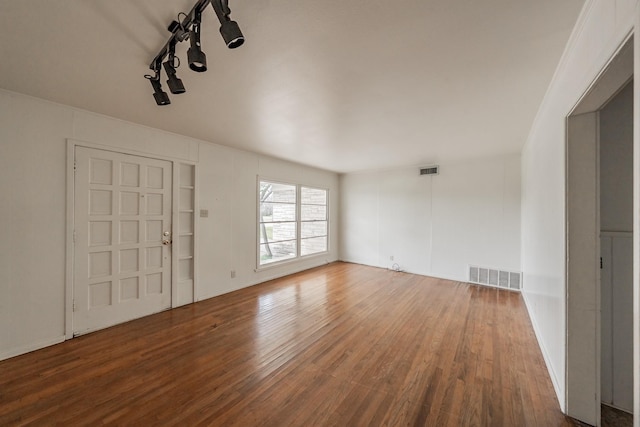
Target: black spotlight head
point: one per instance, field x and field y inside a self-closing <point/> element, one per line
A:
<point x="174" y="83"/>
<point x="162" y="98"/>
<point x="197" y="59"/>
<point x="159" y="95"/>
<point x="231" y="34"/>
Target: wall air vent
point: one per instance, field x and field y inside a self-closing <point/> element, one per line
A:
<point x="430" y="170"/>
<point x="496" y="278"/>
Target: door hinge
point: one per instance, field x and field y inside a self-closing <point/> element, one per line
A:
<point x="74" y="236"/>
<point x="600" y="263"/>
<point x="74" y="305"/>
<point x="75" y="166"/>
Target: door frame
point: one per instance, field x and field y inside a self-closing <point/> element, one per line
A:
<point x="582" y="222"/>
<point x="70" y="220"/>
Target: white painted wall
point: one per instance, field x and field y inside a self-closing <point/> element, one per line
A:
<point x="33" y="168"/>
<point x="434" y="225"/>
<point x="600" y="30"/>
<point x="228" y="184"/>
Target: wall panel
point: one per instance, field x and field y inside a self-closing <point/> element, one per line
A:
<point x="434" y="225"/>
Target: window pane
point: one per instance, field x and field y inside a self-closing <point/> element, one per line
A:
<point x="282" y="193"/>
<point x="313" y="196"/>
<point x="273" y="252"/>
<point x="266" y="193"/>
<point x="313" y="212"/>
<point x="266" y="233"/>
<point x="276" y="232"/>
<point x="283" y="231"/>
<point x="273" y="212"/>
<point x="313" y="245"/>
<point x="313" y="229"/>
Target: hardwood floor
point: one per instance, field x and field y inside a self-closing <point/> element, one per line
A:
<point x="340" y="345"/>
<point x="612" y="417"/>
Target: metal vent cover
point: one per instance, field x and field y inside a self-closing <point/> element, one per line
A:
<point x="495" y="277"/>
<point x="430" y="170"/>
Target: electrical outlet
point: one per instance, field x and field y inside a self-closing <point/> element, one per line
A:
<point x="204" y="213"/>
<point x="391" y="257"/>
<point x="233" y="274"/>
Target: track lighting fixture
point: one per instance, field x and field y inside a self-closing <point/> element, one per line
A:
<point x="229" y="29"/>
<point x="159" y="95"/>
<point x="195" y="55"/>
<point x="174" y="83"/>
<point x="231" y="34"/>
<point x="189" y="28"/>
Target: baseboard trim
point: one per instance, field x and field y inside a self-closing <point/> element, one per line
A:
<point x="31" y="347"/>
<point x="297" y="269"/>
<point x="452" y="279"/>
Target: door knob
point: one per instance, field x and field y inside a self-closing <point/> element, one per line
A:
<point x="166" y="240"/>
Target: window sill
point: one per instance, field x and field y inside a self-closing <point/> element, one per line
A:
<point x="286" y="262"/>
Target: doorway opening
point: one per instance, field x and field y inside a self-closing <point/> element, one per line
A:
<point x="616" y="250"/>
<point x="599" y="226"/>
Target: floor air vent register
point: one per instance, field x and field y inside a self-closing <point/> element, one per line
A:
<point x="498" y="278"/>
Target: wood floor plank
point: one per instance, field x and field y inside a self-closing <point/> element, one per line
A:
<point x="343" y="344"/>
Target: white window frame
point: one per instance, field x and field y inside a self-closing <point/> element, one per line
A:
<point x="298" y="222"/>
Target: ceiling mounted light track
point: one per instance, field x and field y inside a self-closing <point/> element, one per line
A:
<point x="189" y="29"/>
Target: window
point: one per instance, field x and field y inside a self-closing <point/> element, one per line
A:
<point x="292" y="221"/>
<point x="278" y="225"/>
<point x="313" y="221"/>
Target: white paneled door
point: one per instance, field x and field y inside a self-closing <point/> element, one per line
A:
<point x="122" y="238"/>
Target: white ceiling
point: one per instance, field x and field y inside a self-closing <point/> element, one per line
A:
<point x="341" y="85"/>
